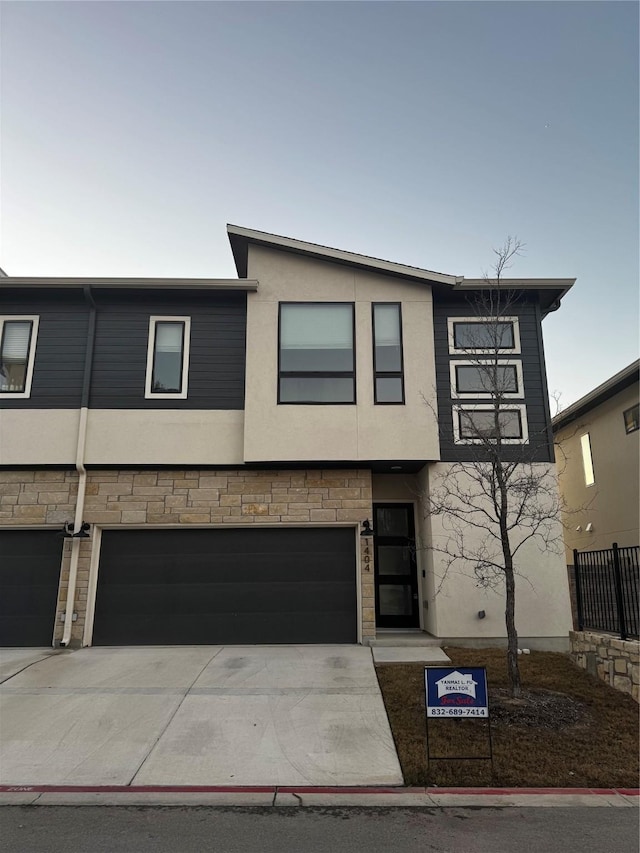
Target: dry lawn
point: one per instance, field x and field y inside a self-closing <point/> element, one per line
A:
<point x="569" y="730"/>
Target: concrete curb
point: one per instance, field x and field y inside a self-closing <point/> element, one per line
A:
<point x="277" y="796"/>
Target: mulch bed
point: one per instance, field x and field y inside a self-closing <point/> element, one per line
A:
<point x="567" y="729"/>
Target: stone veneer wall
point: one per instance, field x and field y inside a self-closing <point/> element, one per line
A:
<point x="617" y="662"/>
<point x="187" y="497"/>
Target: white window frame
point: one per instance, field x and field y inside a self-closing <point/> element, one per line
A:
<point x="486" y="395"/>
<point x="31" y="356"/>
<point x="485" y="408"/>
<point x="587" y="460"/>
<point x="515" y="350"/>
<point x="155" y="395"/>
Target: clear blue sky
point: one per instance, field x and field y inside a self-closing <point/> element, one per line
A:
<point x="423" y="133"/>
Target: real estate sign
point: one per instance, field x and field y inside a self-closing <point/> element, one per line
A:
<point x="456" y="691"/>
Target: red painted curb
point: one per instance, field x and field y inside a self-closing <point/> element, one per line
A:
<point x="273" y="789"/>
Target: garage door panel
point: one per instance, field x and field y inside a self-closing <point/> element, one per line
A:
<point x="29" y="576"/>
<point x="226" y="586"/>
<point x="179" y="571"/>
<point x="248" y="628"/>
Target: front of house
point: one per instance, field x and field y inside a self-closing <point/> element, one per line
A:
<point x="216" y="446"/>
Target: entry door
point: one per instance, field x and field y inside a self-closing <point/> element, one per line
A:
<point x="395" y="566"/>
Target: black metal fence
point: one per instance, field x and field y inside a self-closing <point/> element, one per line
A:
<point x="607" y="587"/>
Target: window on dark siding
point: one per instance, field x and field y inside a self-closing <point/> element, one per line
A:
<point x="631" y="423"/>
<point x="168" y="357"/>
<point x="483" y="336"/>
<point x="17" y="350"/>
<point x="486" y="378"/>
<point x="316" y="353"/>
<point x="387" y="353"/>
<point x="479" y="424"/>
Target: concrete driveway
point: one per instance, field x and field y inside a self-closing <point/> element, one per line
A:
<point x="202" y="715"/>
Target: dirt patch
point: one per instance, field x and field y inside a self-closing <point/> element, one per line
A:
<point x="543" y="709"/>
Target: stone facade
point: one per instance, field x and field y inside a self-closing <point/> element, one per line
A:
<point x="205" y="498"/>
<point x="614" y="661"/>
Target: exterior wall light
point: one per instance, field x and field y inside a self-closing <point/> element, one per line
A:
<point x="366" y="528"/>
<point x="67" y="531"/>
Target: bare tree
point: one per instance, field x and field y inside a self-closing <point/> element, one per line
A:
<point x="499" y="500"/>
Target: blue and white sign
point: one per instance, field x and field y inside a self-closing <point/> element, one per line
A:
<point x="456" y="691"/>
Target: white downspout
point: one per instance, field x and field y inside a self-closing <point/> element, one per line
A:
<point x="77" y="525"/>
<point x="82" y="472"/>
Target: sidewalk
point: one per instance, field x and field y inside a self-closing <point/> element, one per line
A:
<point x="275" y="796"/>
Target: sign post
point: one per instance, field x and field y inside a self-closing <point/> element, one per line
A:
<point x="457" y="693"/>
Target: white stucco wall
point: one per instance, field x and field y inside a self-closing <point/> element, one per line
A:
<point x="345" y="432"/>
<point x="122" y="437"/>
<point x="454" y="598"/>
<point x="164" y="437"/>
<point x="38" y="436"/>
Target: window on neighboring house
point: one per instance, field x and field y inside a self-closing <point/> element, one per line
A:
<point x="17" y="355"/>
<point x="587" y="460"/>
<point x="387" y="353"/>
<point x="473" y="335"/>
<point x="486" y="379"/>
<point x="316" y="358"/>
<point x="168" y="358"/>
<point x="631" y="421"/>
<point x="476" y="424"/>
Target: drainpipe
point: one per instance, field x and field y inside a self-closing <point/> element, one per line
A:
<point x="80" y="468"/>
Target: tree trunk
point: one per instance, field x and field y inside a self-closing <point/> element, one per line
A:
<point x="512" y="634"/>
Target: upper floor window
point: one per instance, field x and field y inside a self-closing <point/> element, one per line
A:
<point x="17" y="355"/>
<point x="477" y="424"/>
<point x="631" y="419"/>
<point x="387" y="353"/>
<point x="587" y="460"/>
<point x="168" y="358"/>
<point x="478" y="336"/>
<point x="484" y="378"/>
<point x="316" y="358"/>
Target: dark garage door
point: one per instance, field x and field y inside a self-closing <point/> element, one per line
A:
<point x="29" y="575"/>
<point x="286" y="585"/>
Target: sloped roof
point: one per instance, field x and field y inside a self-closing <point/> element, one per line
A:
<point x="550" y="290"/>
<point x="621" y="380"/>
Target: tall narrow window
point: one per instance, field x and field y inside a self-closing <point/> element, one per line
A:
<point x="17" y="353"/>
<point x="387" y="353"/>
<point x="316" y="353"/>
<point x="168" y="357"/>
<point x="587" y="460"/>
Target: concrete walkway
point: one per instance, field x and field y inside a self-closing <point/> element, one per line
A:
<point x="241" y="715"/>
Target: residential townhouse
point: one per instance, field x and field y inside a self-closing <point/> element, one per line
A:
<point x="195" y="461"/>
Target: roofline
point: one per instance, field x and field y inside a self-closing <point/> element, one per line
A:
<point x="621" y="380"/>
<point x="240" y="237"/>
<point x="143" y="283"/>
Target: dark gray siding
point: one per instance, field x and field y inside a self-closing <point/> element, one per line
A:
<point x="217" y="350"/>
<point x="540" y="448"/>
<point x="60" y="346"/>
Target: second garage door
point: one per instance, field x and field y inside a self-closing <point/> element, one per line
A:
<point x="201" y="587"/>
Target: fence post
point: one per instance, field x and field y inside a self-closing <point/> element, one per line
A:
<point x="618" y="585"/>
<point x="576" y="576"/>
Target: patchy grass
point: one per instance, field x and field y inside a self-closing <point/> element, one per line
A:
<point x="568" y="730"/>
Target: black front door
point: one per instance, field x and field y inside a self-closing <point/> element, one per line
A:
<point x="395" y="566"/>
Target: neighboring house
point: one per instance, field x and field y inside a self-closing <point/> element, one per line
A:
<point x="597" y="441"/>
<point x="217" y="445"/>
